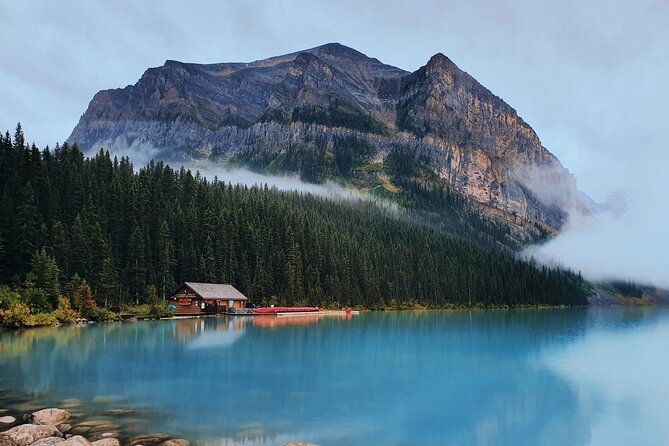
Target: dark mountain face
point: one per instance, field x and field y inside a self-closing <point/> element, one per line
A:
<point x="297" y="109"/>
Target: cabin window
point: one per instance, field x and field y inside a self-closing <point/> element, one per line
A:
<point x="185" y="301"/>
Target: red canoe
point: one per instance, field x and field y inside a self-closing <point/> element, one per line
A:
<point x="273" y="310"/>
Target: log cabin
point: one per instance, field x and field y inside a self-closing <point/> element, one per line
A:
<point x="206" y="298"/>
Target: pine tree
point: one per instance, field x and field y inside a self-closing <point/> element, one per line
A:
<point x="28" y="225"/>
<point x="166" y="261"/>
<point x="45" y="272"/>
<point x="109" y="288"/>
<point x="136" y="264"/>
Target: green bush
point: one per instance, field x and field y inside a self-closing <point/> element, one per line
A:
<point x="101" y="315"/>
<point x="8" y="297"/>
<point x="137" y="310"/>
<point x="159" y="310"/>
<point x="44" y="319"/>
<point x="18" y="315"/>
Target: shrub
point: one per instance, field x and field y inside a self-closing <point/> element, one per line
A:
<point x="44" y="319"/>
<point x="64" y="314"/>
<point x="137" y="310"/>
<point x="159" y="310"/>
<point x="83" y="300"/>
<point x="18" y="315"/>
<point x="36" y="298"/>
<point x="8" y="297"/>
<point x="101" y="315"/>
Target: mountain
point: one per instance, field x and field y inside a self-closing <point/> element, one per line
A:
<point x="333" y="112"/>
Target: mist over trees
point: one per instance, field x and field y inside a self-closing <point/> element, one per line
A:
<point x="134" y="235"/>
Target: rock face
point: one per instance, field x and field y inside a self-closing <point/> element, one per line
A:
<point x="469" y="136"/>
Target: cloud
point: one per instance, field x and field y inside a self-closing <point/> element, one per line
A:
<point x="614" y="245"/>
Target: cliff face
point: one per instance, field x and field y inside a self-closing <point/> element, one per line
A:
<point x="470" y="137"/>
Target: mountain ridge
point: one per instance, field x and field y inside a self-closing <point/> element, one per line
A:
<point x="298" y="106"/>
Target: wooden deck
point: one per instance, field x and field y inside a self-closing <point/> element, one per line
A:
<point x="317" y="313"/>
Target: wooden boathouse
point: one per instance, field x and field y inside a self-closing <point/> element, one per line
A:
<point x="206" y="298"/>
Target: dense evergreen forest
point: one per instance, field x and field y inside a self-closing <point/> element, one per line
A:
<point x="130" y="234"/>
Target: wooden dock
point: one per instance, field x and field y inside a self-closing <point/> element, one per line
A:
<point x="317" y="313"/>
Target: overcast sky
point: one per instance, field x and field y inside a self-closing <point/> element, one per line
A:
<point x="589" y="76"/>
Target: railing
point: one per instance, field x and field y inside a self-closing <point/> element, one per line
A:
<point x="240" y="311"/>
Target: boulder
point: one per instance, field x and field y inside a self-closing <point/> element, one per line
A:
<point x="176" y="442"/>
<point x="7" y="419"/>
<point x="50" y="416"/>
<point x="77" y="440"/>
<point x="4" y="441"/>
<point x="64" y="427"/>
<point x="48" y="441"/>
<point x="107" y="442"/>
<point x="27" y="434"/>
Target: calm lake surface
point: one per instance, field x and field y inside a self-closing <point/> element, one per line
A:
<point x="595" y="376"/>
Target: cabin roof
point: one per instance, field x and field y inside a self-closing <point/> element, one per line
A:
<point x="215" y="291"/>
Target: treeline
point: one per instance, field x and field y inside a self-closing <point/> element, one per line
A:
<point x="126" y="233"/>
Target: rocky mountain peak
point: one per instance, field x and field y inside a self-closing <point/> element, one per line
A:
<point x="440" y="61"/>
<point x="439" y="114"/>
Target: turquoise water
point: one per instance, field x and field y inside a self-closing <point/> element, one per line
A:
<point x="521" y="377"/>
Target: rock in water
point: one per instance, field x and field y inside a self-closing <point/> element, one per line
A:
<point x="149" y="440"/>
<point x="176" y="442"/>
<point x="7" y="419"/>
<point x="27" y="434"/>
<point x="51" y="416"/>
<point x="107" y="442"/>
<point x="49" y="441"/>
<point x="77" y="440"/>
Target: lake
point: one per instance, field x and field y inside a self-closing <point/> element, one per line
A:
<point x="597" y="376"/>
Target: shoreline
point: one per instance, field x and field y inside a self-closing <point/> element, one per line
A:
<point x="67" y="425"/>
<point x="601" y="299"/>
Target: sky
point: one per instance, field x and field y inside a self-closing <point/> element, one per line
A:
<point x="589" y="76"/>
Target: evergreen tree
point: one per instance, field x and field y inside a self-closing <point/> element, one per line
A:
<point x="83" y="300"/>
<point x="166" y="261"/>
<point x="109" y="289"/>
<point x="46" y="276"/>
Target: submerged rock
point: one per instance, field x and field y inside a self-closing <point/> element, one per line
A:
<point x="51" y="416"/>
<point x="121" y="412"/>
<point x="107" y="442"/>
<point x="27" y="434"/>
<point x="149" y="440"/>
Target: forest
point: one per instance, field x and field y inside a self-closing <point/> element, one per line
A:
<point x="131" y="235"/>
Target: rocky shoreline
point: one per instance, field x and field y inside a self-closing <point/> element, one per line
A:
<point x="51" y="426"/>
